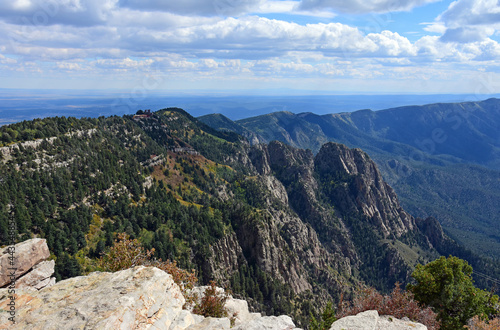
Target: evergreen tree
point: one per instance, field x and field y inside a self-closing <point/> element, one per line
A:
<point x="446" y="285"/>
<point x="325" y="320"/>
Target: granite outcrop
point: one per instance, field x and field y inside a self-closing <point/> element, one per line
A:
<point x="135" y="298"/>
<point x="29" y="262"/>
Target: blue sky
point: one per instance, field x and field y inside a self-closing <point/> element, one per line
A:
<point x="329" y="46"/>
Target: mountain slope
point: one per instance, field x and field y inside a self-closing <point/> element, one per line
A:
<point x="463" y="132"/>
<point x="285" y="228"/>
<point x="443" y="160"/>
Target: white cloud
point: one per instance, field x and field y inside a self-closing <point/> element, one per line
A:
<point x="330" y="69"/>
<point x="434" y="27"/>
<point x="69" y="66"/>
<point x="467" y="34"/>
<point x="7" y="60"/>
<point x="363" y="6"/>
<point x="277" y="7"/>
<point x="470" y="20"/>
<point x="21" y="4"/>
<point x="290" y="7"/>
<point x="173" y="64"/>
<point x="196" y="40"/>
<point x="124" y="65"/>
<point x="434" y="49"/>
<point x="471" y="12"/>
<point x="47" y="53"/>
<point x="153" y="21"/>
<point x="429" y="48"/>
<point x="252" y="37"/>
<point x="249" y="37"/>
<point x="392" y="44"/>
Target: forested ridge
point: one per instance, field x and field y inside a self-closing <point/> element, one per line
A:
<point x="77" y="182"/>
<point x="186" y="189"/>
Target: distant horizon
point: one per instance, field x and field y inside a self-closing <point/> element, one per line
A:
<point x="25" y="104"/>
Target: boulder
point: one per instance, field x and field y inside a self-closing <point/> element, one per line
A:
<point x="27" y="254"/>
<point x="135" y="298"/>
<point x="370" y="320"/>
<point x="39" y="277"/>
<point x="129" y="299"/>
<point x="238" y="308"/>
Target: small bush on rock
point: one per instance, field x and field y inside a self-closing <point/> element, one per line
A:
<point x="399" y="304"/>
<point x="126" y="253"/>
<point x="212" y="303"/>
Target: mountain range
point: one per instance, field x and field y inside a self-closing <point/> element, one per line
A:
<point x="442" y="159"/>
<point x="287" y="228"/>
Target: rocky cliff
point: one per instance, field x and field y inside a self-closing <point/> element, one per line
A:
<point x="339" y="193"/>
<point x="358" y="186"/>
<point x="327" y="221"/>
<point x="136" y="298"/>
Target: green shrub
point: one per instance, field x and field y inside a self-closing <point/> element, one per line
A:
<point x="446" y="285"/>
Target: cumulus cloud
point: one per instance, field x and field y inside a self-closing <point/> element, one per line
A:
<point x="262" y="37"/>
<point x="432" y="49"/>
<point x="392" y="44"/>
<point x="363" y="6"/>
<point x="224" y="38"/>
<point x="470" y="20"/>
<point x="248" y="37"/>
<point x="471" y="12"/>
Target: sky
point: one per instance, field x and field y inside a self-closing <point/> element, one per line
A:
<point x="320" y="46"/>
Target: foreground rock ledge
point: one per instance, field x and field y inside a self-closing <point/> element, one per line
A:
<point x="370" y="320"/>
<point x="136" y="298"/>
<point x="31" y="268"/>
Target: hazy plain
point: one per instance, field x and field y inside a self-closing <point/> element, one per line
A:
<point x="19" y="104"/>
